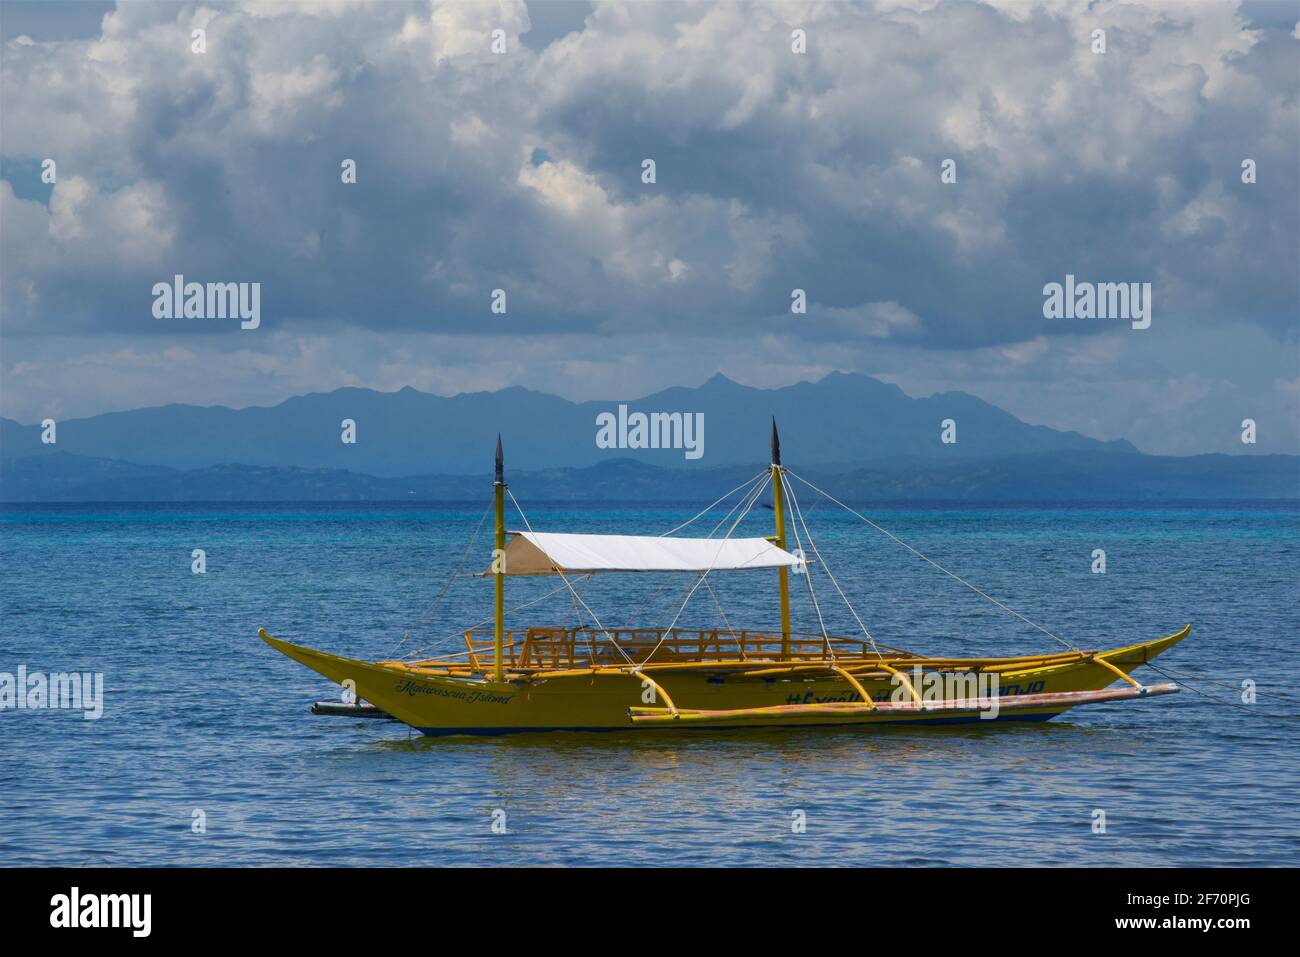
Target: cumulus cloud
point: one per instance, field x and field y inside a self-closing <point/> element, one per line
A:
<point x="774" y="170"/>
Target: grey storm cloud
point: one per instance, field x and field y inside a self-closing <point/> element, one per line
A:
<point x="774" y="170"/>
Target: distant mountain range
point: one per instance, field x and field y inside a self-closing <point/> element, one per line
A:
<point x="854" y="435"/>
<point x="1066" y="476"/>
<point x="844" y="419"/>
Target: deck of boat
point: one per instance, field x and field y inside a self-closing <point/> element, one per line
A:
<point x="551" y="650"/>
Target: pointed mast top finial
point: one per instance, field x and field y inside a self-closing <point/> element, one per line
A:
<point x="501" y="464"/>
<point x="776" y="444"/>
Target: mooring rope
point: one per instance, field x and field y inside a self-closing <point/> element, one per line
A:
<point x="955" y="577"/>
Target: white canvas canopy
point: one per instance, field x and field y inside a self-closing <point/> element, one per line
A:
<point x="548" y="553"/>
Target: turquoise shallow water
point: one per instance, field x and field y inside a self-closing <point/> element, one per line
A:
<point x="200" y="715"/>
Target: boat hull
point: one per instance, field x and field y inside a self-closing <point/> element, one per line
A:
<point x="705" y="699"/>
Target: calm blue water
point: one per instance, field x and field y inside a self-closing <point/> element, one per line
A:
<point x="200" y="715"/>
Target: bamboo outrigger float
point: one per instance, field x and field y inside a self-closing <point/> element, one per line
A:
<point x="611" y="679"/>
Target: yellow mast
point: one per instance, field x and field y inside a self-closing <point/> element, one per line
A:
<point x="499" y="564"/>
<point x="782" y="573"/>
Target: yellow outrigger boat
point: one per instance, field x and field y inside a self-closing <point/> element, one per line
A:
<point x="616" y="679"/>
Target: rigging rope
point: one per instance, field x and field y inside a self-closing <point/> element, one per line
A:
<point x="740" y="646"/>
<point x="829" y="574"/>
<point x="649" y="603"/>
<point x="1231" y="704"/>
<point x="712" y="504"/>
<point x="955" y="577"/>
<point x="603" y="629"/>
<point x="1223" y="684"/>
<point x="576" y="598"/>
<point x="739" y="502"/>
<point x="450" y="579"/>
<point x="509" y="611"/>
<point x="749" y="503"/>
<point x="807" y="570"/>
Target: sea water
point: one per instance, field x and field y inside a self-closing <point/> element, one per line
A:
<point x="206" y="753"/>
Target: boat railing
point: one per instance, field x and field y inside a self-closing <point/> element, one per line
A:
<point x="558" y="648"/>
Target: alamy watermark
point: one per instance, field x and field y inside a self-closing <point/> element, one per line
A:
<point x="975" y="689"/>
<point x="59" y="690"/>
<point x="1130" y="301"/>
<point x="179" y="299"/>
<point x="651" y="430"/>
<point x="130" y="911"/>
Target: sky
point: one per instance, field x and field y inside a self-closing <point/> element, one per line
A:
<point x="775" y="170"/>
